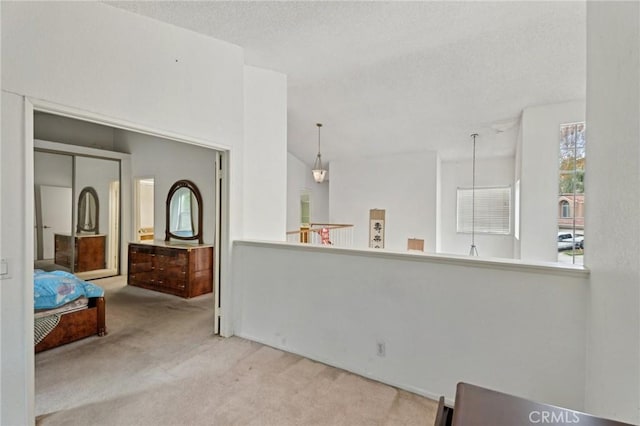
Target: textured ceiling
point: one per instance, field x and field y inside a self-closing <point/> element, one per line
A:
<point x="388" y="77"/>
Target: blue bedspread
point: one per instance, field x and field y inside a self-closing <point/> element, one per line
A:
<point x="55" y="288"/>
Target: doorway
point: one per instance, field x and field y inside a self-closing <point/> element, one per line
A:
<point x="144" y="208"/>
<point x="222" y="238"/>
<point x="134" y="202"/>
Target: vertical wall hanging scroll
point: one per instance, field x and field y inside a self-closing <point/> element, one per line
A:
<point x="376" y="228"/>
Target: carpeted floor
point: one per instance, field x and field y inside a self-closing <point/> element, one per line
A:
<point x="160" y="365"/>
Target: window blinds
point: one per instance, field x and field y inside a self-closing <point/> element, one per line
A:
<point x="492" y="210"/>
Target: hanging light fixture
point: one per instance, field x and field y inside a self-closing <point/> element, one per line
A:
<point x="318" y="171"/>
<point x="473" y="251"/>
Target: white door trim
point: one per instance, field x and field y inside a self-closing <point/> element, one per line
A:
<point x="219" y="182"/>
<point x="65" y="111"/>
<point x="114" y="224"/>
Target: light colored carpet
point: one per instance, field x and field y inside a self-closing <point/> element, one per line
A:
<point x="161" y="365"/>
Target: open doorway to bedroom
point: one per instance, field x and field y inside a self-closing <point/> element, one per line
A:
<point x="148" y="165"/>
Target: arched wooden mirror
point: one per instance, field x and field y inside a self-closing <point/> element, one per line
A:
<point x="88" y="211"/>
<point x="184" y="212"/>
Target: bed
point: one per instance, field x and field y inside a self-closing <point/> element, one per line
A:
<point x="66" y="309"/>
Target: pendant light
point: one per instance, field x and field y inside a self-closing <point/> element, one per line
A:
<point x="318" y="171"/>
<point x="473" y="251"/>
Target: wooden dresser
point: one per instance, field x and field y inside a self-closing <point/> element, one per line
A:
<point x="182" y="269"/>
<point x="88" y="250"/>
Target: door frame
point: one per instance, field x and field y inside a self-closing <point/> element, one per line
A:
<point x="76" y="151"/>
<point x="136" y="204"/>
<point x="222" y="240"/>
<point x="115" y="226"/>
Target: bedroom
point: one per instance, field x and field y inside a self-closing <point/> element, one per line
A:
<point x="123" y="104"/>
<point x="73" y="155"/>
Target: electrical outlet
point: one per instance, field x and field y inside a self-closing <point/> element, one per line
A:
<point x="381" y="349"/>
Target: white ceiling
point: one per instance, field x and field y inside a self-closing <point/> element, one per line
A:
<point x="389" y="76"/>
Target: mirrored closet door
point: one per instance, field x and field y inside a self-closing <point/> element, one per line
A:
<point x="77" y="214"/>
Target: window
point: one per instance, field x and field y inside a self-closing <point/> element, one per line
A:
<point x="181" y="211"/>
<point x="305" y="209"/>
<point x="571" y="169"/>
<point x="492" y="210"/>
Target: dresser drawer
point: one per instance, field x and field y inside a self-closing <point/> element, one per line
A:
<point x="162" y="262"/>
<point x="171" y="252"/>
<point x="140" y="278"/>
<point x="170" y="282"/>
<point x="140" y="259"/>
<point x="141" y="248"/>
<point x="167" y="268"/>
<point x="140" y="267"/>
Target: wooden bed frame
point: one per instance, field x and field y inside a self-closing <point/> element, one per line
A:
<point x="77" y="325"/>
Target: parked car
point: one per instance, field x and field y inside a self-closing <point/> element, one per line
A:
<point x="569" y="240"/>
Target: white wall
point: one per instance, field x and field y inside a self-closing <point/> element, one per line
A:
<point x="512" y="328"/>
<point x="613" y="209"/>
<point x="80" y="56"/>
<point x="265" y="154"/>
<point x="169" y="161"/>
<point x="76" y="132"/>
<point x="539" y="177"/>
<point x="83" y="55"/>
<point x="299" y="180"/>
<point x="319" y="198"/>
<point x="404" y="185"/>
<point x="16" y="299"/>
<point x="458" y="174"/>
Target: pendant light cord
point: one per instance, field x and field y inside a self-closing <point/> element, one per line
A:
<point x="473" y="251"/>
<point x="473" y="194"/>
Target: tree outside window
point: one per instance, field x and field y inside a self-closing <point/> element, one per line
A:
<point x="571" y="170"/>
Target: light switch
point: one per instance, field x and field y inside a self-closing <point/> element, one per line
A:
<point x="4" y="269"/>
